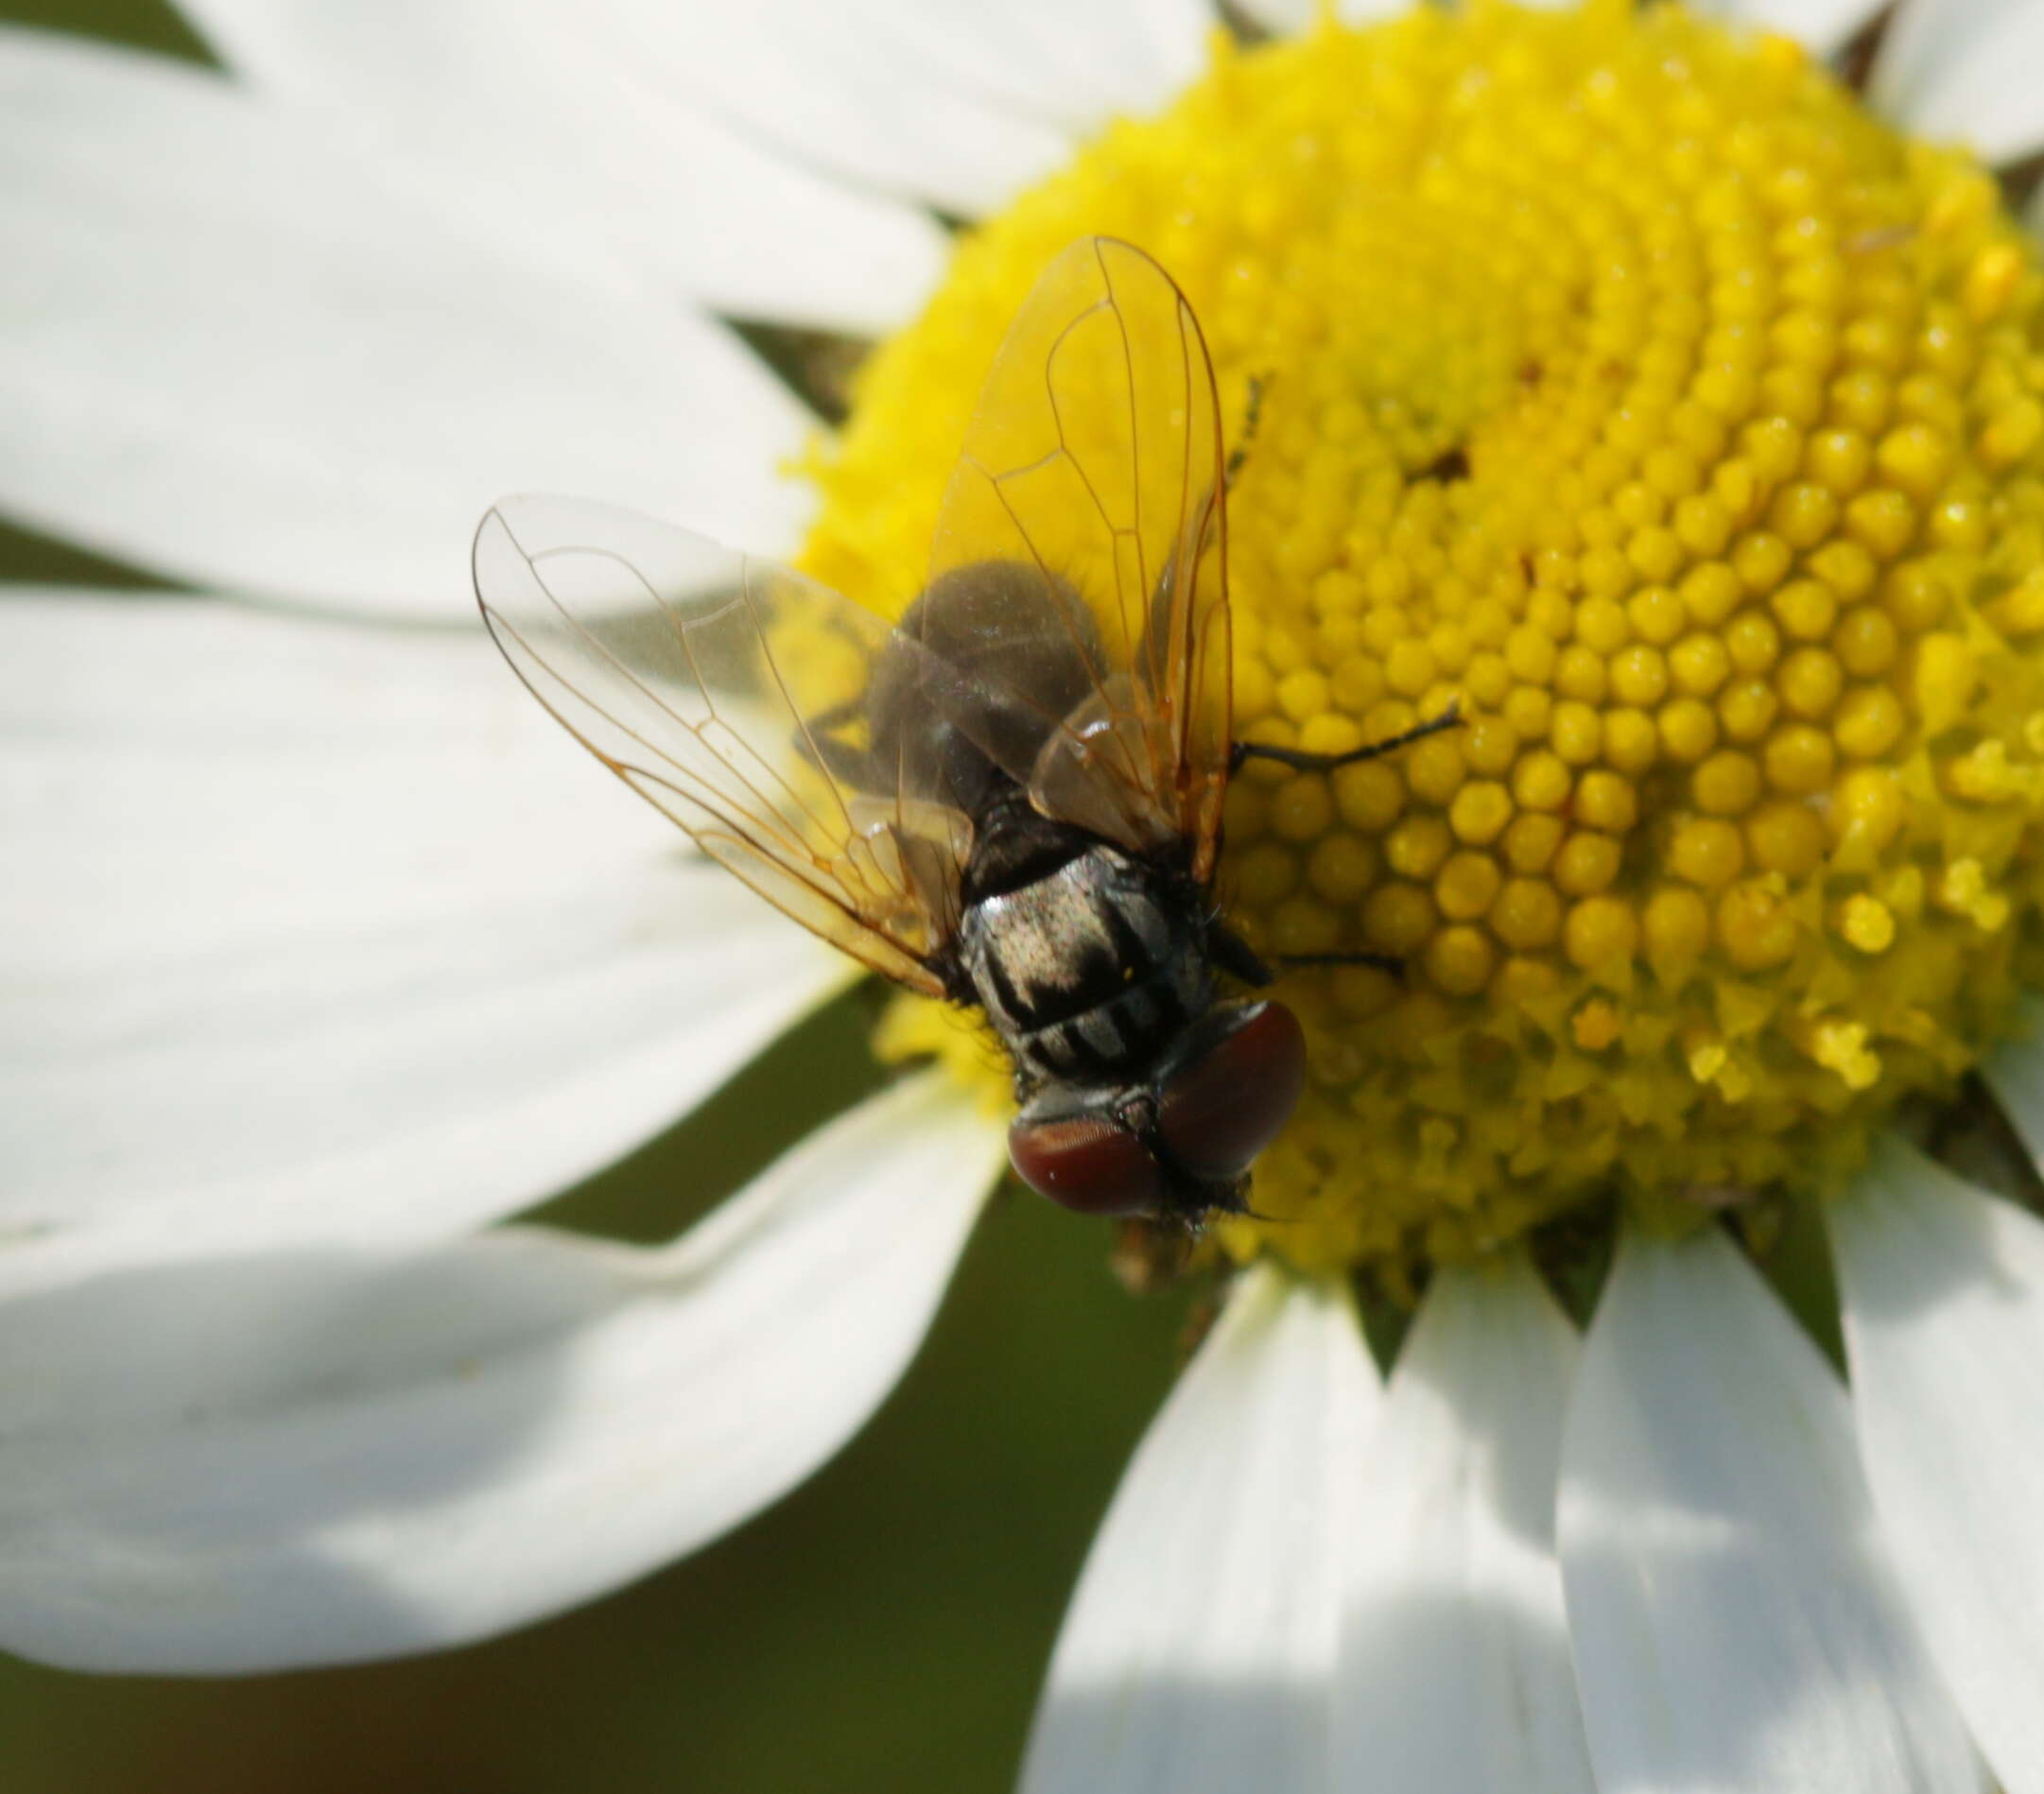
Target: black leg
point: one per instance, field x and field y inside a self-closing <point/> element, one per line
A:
<point x="1303" y="762"/>
<point x="1381" y="961"/>
<point x="837" y="714"/>
<point x="1252" y="416"/>
<point x="1235" y="956"/>
<point x="850" y="767"/>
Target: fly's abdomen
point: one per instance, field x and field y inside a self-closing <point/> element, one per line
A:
<point x="1088" y="972"/>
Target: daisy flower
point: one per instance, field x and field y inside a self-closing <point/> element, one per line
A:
<point x="1666" y="384"/>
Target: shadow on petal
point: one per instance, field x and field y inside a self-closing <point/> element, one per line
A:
<point x="1182" y="1734"/>
<point x="324" y="1454"/>
<point x="1417" y="1670"/>
<point x="289" y="1456"/>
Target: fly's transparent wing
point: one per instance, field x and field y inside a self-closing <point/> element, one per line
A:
<point x="1090" y="490"/>
<point x="730" y="693"/>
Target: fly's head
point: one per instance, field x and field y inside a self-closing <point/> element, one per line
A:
<point x="1180" y="1144"/>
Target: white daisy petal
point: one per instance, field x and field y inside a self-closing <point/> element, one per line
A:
<point x="1736" y="1625"/>
<point x="2016" y="1071"/>
<point x="1299" y="15"/>
<point x="551" y="131"/>
<point x="327" y="1454"/>
<point x="816" y="80"/>
<point x="1943" y="1294"/>
<point x="233" y="352"/>
<point x="322" y="930"/>
<point x="1965" y="70"/>
<point x="1823" y="25"/>
<point x="1072" y="63"/>
<point x="1455" y="1675"/>
<point x="1196" y="1652"/>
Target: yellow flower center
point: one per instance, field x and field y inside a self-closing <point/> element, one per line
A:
<point x="1625" y="379"/>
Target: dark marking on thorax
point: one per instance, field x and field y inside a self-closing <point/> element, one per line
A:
<point x="1088" y="960"/>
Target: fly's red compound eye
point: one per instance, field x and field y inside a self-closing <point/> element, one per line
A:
<point x="1224" y="1107"/>
<point x="1088" y="1164"/>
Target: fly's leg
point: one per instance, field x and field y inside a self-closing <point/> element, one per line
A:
<point x="1237" y="958"/>
<point x="852" y="766"/>
<point x="1155" y="658"/>
<point x="1252" y="417"/>
<point x="1301" y="761"/>
<point x="1389" y="962"/>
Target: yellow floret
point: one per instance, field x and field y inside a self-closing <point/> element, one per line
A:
<point x="1625" y="380"/>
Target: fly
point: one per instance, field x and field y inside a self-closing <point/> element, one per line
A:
<point x="1011" y="799"/>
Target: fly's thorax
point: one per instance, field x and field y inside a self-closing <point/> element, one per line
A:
<point x="940" y="702"/>
<point x="1089" y="971"/>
